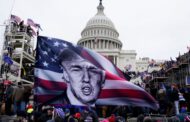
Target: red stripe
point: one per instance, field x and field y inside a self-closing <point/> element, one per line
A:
<point x="110" y="76"/>
<point x="85" y="54"/>
<point x="44" y="98"/>
<point x="130" y="93"/>
<point x="50" y="85"/>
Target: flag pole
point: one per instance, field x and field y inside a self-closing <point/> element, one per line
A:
<point x="12" y="8"/>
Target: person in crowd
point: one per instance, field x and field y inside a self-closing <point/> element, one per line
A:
<point x="187" y="118"/>
<point x="78" y="117"/>
<point x="29" y="111"/>
<point x="88" y="119"/>
<point x="21" y="26"/>
<point x="84" y="80"/>
<point x="19" y="104"/>
<point x="161" y="97"/>
<point x="120" y="119"/>
<point x="29" y="30"/>
<point x="175" y="98"/>
<point x="112" y="118"/>
<point x="140" y="118"/>
<point x="147" y="119"/>
<point x="46" y="114"/>
<point x="68" y="116"/>
<point x="8" y="98"/>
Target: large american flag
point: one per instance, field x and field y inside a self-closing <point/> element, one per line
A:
<point x="49" y="85"/>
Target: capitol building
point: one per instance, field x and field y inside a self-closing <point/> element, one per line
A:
<point x="101" y="36"/>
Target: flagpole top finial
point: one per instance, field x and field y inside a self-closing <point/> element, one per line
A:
<point x="100" y="8"/>
<point x="100" y="2"/>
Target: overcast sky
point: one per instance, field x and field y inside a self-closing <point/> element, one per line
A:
<point x="158" y="29"/>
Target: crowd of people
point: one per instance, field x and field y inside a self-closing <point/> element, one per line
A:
<point x="172" y="98"/>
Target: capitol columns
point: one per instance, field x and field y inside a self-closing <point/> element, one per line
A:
<point x="115" y="59"/>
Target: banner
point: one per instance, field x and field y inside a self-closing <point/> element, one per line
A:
<point x="68" y="74"/>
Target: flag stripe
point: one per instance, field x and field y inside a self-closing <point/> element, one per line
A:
<point x="42" y="91"/>
<point x="48" y="75"/>
<point x="111" y="93"/>
<point x="126" y="101"/>
<point x="110" y="76"/>
<point x="51" y="85"/>
<point x="31" y="23"/>
<point x="107" y="93"/>
<point x="15" y="18"/>
<point x="46" y="98"/>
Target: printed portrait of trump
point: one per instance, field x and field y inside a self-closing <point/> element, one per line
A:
<point x="84" y="79"/>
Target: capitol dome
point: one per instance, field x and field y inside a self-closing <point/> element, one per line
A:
<point x="100" y="32"/>
<point x="100" y="20"/>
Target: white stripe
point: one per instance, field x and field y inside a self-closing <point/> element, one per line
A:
<point x="48" y="75"/>
<point x="125" y="101"/>
<point x="119" y="84"/>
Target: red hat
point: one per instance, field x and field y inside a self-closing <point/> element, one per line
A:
<point x="29" y="106"/>
<point x="77" y="115"/>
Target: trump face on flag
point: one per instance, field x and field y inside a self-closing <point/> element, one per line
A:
<point x="84" y="80"/>
<point x="82" y="77"/>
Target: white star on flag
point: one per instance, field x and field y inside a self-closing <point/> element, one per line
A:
<point x="45" y="64"/>
<point x="49" y="38"/>
<point x="61" y="67"/>
<point x="45" y="53"/>
<point x="48" y="49"/>
<point x="53" y="60"/>
<point x="56" y="44"/>
<point x="64" y="44"/>
<point x="61" y="50"/>
<point x="39" y="46"/>
<point x="55" y="57"/>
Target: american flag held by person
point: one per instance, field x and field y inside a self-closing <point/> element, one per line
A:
<point x="49" y="83"/>
<point x="15" y="18"/>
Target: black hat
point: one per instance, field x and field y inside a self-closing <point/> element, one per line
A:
<point x="69" y="55"/>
